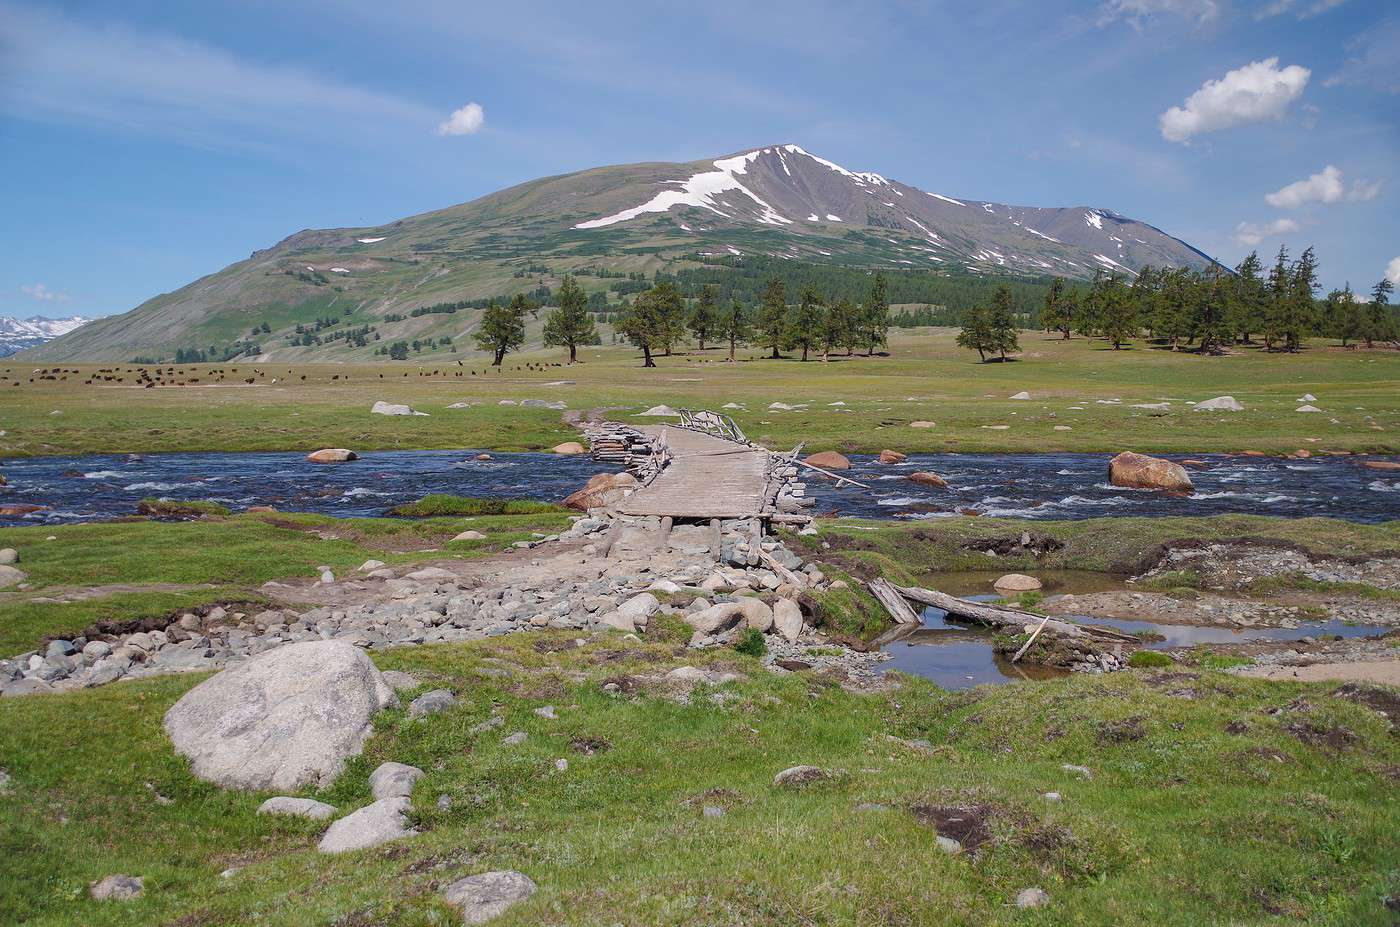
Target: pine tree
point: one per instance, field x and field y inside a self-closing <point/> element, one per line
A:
<point x="734" y="326"/>
<point x="838" y="327"/>
<point x="570" y="325"/>
<point x="702" y="318"/>
<point x="1120" y="322"/>
<point x="643" y="322"/>
<point x="1300" y="315"/>
<point x="1276" y="302"/>
<point x="1345" y="318"/>
<point x="806" y="327"/>
<point x="875" y="316"/>
<point x="670" y="308"/>
<point x="1003" y="322"/>
<point x="1211" y="317"/>
<point x="1247" y="298"/>
<point x="1379" y="325"/>
<point x="1056" y="314"/>
<point x="976" y="333"/>
<point x="773" y="317"/>
<point x="502" y="328"/>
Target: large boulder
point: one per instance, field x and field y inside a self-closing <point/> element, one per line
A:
<point x="829" y="460"/>
<point x="928" y="478"/>
<point x="1387" y="465"/>
<point x="282" y="720"/>
<point x="9" y="576"/>
<point x="601" y="490"/>
<point x="787" y="619"/>
<point x="1138" y="471"/>
<point x="1016" y="582"/>
<point x="392" y="408"/>
<point x="716" y="618"/>
<point x="888" y="456"/>
<point x="332" y="455"/>
<point x="569" y="447"/>
<point x="1220" y="404"/>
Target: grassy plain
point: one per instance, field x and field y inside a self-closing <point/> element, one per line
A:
<point x="1248" y="802"/>
<point x="924" y="378"/>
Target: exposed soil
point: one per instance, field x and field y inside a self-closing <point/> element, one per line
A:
<point x="967" y="824"/>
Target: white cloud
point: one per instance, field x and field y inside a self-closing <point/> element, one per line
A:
<point x="1305" y="11"/>
<point x="1138" y="12"/>
<point x="464" y="121"/>
<point x="1324" y="187"/>
<point x="1259" y="91"/>
<point x="1392" y="271"/>
<point x="42" y="293"/>
<point x="1250" y="233"/>
<point x="88" y="72"/>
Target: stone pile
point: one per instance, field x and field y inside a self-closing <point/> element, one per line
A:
<point x="647" y="571"/>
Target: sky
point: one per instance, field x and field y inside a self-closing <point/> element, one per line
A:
<point x="145" y="144"/>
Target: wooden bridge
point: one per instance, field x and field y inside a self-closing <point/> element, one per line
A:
<point x="707" y="477"/>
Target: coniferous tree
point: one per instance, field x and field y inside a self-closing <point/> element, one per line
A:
<point x="1276" y="304"/>
<point x="502" y="328"/>
<point x="773" y="317"/>
<point x="1379" y="325"/>
<point x="976" y="333"/>
<point x="734" y="326"/>
<point x="1300" y="314"/>
<point x="1211" y="318"/>
<point x="570" y="325"/>
<point x="1345" y="318"/>
<point x="1248" y="297"/>
<point x="1120" y="322"/>
<point x="1058" y="313"/>
<point x="643" y="322"/>
<point x="703" y="318"/>
<point x="839" y="327"/>
<point x="670" y="308"/>
<point x="1091" y="315"/>
<point x="875" y="316"/>
<point x="806" y="327"/>
<point x="1003" y="322"/>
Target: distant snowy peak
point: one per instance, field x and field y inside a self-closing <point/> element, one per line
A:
<point x="18" y="334"/>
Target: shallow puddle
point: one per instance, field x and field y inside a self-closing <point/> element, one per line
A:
<point x="958" y="656"/>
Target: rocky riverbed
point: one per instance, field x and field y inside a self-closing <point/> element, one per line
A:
<point x="565" y="582"/>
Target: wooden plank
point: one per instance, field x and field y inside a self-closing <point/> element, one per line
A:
<point x="999" y="617"/>
<point x="889" y="596"/>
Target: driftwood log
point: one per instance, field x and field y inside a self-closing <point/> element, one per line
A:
<point x="894" y="602"/>
<point x="1063" y="643"/>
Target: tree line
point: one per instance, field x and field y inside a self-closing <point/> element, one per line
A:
<point x="1205" y="311"/>
<point x="660" y="318"/>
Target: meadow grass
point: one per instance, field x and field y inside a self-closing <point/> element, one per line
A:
<point x="924" y="378"/>
<point x="1179" y="821"/>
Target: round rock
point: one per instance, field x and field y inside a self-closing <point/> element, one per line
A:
<point x="1016" y="582"/>
<point x="482" y="897"/>
<point x="284" y="719"/>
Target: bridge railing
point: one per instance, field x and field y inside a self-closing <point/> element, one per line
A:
<point x="712" y="423"/>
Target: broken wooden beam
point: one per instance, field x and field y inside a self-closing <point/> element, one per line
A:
<point x="998" y="616"/>
<point x="892" y="598"/>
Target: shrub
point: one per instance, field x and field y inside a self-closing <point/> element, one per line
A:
<point x="751" y="643"/>
<point x="442" y="504"/>
<point x="1142" y="659"/>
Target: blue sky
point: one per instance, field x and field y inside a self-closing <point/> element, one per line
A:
<point x="145" y="144"/>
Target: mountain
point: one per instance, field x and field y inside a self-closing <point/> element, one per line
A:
<point x="19" y="334"/>
<point x="347" y="293"/>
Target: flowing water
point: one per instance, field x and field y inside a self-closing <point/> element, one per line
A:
<point x="1034" y="486"/>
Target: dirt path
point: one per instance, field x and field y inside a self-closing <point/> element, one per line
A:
<point x="1382" y="671"/>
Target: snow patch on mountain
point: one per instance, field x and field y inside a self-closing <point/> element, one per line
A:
<point x="19" y="334"/>
<point x="701" y="190"/>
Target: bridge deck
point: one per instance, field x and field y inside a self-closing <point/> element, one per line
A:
<point x="708" y="477"/>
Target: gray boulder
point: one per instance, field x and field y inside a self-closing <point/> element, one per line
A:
<point x="9" y="576"/>
<point x="8" y="556"/>
<point x="298" y="807"/>
<point x="385" y="820"/>
<point x="430" y="703"/>
<point x="286" y="718"/>
<point x="482" y="897"/>
<point x="716" y="618"/>
<point x="118" y="888"/>
<point x="399" y="681"/>
<point x="757" y="614"/>
<point x="394" y="780"/>
<point x="787" y="619"/>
